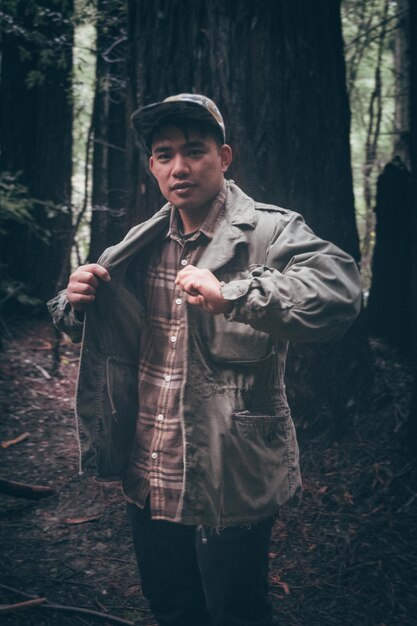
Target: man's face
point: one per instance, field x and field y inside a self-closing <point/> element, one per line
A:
<point x="189" y="169"/>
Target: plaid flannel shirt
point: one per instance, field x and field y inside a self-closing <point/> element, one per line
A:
<point x="156" y="464"/>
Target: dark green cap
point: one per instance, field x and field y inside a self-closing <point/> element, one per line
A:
<point x="189" y="106"/>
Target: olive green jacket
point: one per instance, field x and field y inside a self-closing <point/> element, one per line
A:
<point x="240" y="448"/>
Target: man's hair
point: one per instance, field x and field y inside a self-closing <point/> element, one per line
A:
<point x="188" y="126"/>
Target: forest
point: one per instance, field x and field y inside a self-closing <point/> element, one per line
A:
<point x="319" y="99"/>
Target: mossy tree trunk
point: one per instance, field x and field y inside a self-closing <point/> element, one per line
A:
<point x="110" y="126"/>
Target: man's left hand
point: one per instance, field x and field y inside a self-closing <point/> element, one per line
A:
<point x="203" y="289"/>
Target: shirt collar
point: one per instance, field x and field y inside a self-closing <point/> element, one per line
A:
<point x="211" y="221"/>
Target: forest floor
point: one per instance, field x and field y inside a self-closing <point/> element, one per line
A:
<point x="344" y="555"/>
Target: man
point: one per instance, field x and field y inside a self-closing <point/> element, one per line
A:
<point x="181" y="388"/>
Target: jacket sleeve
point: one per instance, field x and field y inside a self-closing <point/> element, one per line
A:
<point x="65" y="318"/>
<point x="308" y="289"/>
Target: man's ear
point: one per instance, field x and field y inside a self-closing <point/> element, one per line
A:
<point x="151" y="165"/>
<point x="226" y="157"/>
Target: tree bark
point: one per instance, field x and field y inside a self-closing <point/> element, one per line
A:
<point x="402" y="83"/>
<point x="388" y="309"/>
<point x="109" y="220"/>
<point x="276" y="70"/>
<point x="413" y="155"/>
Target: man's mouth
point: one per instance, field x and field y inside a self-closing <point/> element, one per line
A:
<point x="181" y="186"/>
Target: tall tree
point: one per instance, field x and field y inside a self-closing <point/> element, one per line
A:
<point x="276" y="70"/>
<point x="369" y="27"/>
<point x="36" y="127"/>
<point x="413" y="152"/>
<point x="388" y="310"/>
<point x="109" y="127"/>
<point x="402" y="83"/>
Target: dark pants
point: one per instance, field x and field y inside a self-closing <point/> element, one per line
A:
<point x="200" y="576"/>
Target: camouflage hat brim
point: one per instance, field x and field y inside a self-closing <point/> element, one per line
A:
<point x="186" y="106"/>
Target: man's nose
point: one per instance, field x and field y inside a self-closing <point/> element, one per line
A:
<point x="180" y="166"/>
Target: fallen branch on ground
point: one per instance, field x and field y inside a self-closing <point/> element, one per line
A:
<point x="21" y="606"/>
<point x="43" y="603"/>
<point x="23" y="490"/>
<point x="13" y="442"/>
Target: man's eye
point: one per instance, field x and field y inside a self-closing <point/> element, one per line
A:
<point x="163" y="156"/>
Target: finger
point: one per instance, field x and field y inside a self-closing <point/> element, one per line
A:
<point x="89" y="278"/>
<point x="81" y="277"/>
<point x="78" y="301"/>
<point x="99" y="271"/>
<point x="185" y="272"/>
<point x="190" y="287"/>
<point x="195" y="300"/>
<point x="82" y="288"/>
<point x="96" y="270"/>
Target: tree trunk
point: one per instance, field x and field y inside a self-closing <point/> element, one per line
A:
<point x="36" y="114"/>
<point x="276" y="70"/>
<point x="109" y="214"/>
<point x="413" y="154"/>
<point x="388" y="310"/>
<point x="402" y="84"/>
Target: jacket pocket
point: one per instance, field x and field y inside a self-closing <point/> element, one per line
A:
<point x="119" y="414"/>
<point x="261" y="463"/>
<point x="235" y="342"/>
<point x="267" y="428"/>
<point x="121" y="386"/>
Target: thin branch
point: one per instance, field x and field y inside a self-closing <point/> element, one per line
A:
<point x="21" y="606"/>
<point x="357" y="55"/>
<point x="80" y="610"/>
<point x="23" y="490"/>
<point x="109" y="145"/>
<point x="382" y="24"/>
<point x="71" y="609"/>
<point x="105" y="54"/>
<point x="371" y="145"/>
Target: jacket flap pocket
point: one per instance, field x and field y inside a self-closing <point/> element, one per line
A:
<point x="235" y="342"/>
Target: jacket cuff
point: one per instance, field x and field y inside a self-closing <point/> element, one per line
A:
<point x="235" y="289"/>
<point x="232" y="292"/>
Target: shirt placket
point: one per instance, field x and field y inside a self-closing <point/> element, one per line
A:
<point x="174" y="362"/>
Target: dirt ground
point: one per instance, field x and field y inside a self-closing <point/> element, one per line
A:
<point x="344" y="555"/>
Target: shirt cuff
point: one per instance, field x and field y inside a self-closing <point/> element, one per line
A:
<point x="77" y="317"/>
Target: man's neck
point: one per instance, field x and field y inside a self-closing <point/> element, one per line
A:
<point x="193" y="219"/>
<point x="205" y="215"/>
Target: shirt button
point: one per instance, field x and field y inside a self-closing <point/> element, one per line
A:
<point x="154" y="455"/>
<point x="167" y="378"/>
<point x="184" y="262"/>
<point x="173" y="339"/>
<point x="178" y="301"/>
<point x="160" y="417"/>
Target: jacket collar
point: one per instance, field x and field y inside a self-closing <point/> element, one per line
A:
<point x="138" y="237"/>
<point x="239" y="218"/>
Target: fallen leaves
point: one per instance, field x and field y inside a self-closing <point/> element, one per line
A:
<point x="277" y="582"/>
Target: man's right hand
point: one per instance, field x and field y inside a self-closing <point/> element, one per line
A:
<point x="83" y="283"/>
